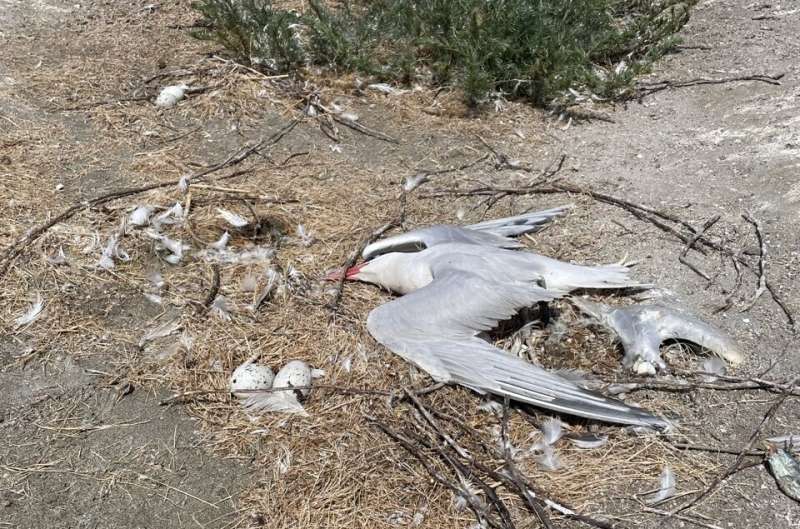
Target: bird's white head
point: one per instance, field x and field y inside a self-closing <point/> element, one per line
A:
<point x="395" y="271"/>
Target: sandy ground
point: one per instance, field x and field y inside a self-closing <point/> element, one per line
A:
<point x="82" y="447"/>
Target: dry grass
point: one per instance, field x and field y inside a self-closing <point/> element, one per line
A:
<point x="331" y="469"/>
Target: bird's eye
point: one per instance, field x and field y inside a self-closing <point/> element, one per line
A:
<point x="234" y="381"/>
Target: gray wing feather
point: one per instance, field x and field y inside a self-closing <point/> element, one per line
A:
<point x="436" y="328"/>
<point x="490" y="233"/>
<point x="507" y="266"/>
<point x="513" y="226"/>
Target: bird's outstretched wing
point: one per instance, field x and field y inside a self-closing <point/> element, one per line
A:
<point x="437" y="327"/>
<point x="490" y="233"/>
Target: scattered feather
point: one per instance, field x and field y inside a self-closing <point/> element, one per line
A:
<point x="234" y="219"/>
<point x="219" y="307"/>
<point x="175" y="248"/>
<point x="153" y="298"/>
<point x="336" y="148"/>
<point x="588" y="441"/>
<point x="383" y="88"/>
<point x="666" y="487"/>
<point x="32" y="314"/>
<point x="305" y="237"/>
<point x="275" y="401"/>
<point x="259" y="254"/>
<point x="222" y="243"/>
<point x="349" y="116"/>
<point x="248" y="284"/>
<point x="59" y="258"/>
<point x="173" y="215"/>
<point x="267" y="291"/>
<point x="548" y="459"/>
<point x="413" y="182"/>
<point x="347" y="364"/>
<point x="183" y="184"/>
<point x="170" y="95"/>
<point x="461" y="213"/>
<point x="491" y="406"/>
<point x="284" y="462"/>
<point x="140" y="216"/>
<point x="162" y="330"/>
<point x="156" y="279"/>
<point x="110" y="252"/>
<point x="552" y="430"/>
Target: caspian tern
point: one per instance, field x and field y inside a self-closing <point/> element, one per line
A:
<point x="455" y="291"/>
<point x="643" y="328"/>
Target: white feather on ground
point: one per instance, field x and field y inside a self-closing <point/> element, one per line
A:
<point x="173" y="215"/>
<point x="666" y="486"/>
<point x="548" y="459"/>
<point x="111" y="251"/>
<point x="32" y="314"/>
<point x="183" y="184"/>
<point x="589" y="441"/>
<point x="551" y="430"/>
<point x="59" y="258"/>
<point x="413" y="182"/>
<point x="140" y="216"/>
<point x="222" y="242"/>
<point x="234" y="219"/>
<point x="161" y="330"/>
<point x="258" y="254"/>
<point x="219" y="307"/>
<point x="306" y="238"/>
<point x="170" y="95"/>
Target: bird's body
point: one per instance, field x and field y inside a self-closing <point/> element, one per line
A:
<point x="403" y="272"/>
<point x="456" y="291"/>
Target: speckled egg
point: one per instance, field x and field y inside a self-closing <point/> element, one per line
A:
<point x="250" y="376"/>
<point x="294" y="374"/>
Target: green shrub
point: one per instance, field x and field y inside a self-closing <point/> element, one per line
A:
<point x="533" y="49"/>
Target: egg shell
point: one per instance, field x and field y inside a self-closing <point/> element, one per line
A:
<point x="250" y="376"/>
<point x="294" y="374"/>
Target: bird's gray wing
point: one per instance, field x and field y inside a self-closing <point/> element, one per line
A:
<point x="677" y="325"/>
<point x="490" y="233"/>
<point x="506" y="265"/>
<point x="437" y="327"/>
<point x="514" y="226"/>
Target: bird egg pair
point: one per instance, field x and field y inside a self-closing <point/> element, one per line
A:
<point x="249" y="376"/>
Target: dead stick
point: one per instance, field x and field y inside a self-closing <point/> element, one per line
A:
<point x="762" y="262"/>
<point x="435" y="474"/>
<point x="213" y="291"/>
<point x="739" y="458"/>
<point x="682" y="257"/>
<point x="514" y="473"/>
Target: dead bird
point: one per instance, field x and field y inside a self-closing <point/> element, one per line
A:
<point x="786" y="471"/>
<point x="643" y="328"/>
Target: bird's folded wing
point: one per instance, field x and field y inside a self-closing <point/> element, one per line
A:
<point x="436" y="328"/>
<point x="494" y="233"/>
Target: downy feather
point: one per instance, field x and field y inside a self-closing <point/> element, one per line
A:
<point x="32" y="314"/>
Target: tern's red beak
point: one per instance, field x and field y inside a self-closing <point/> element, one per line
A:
<point x="349" y="273"/>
